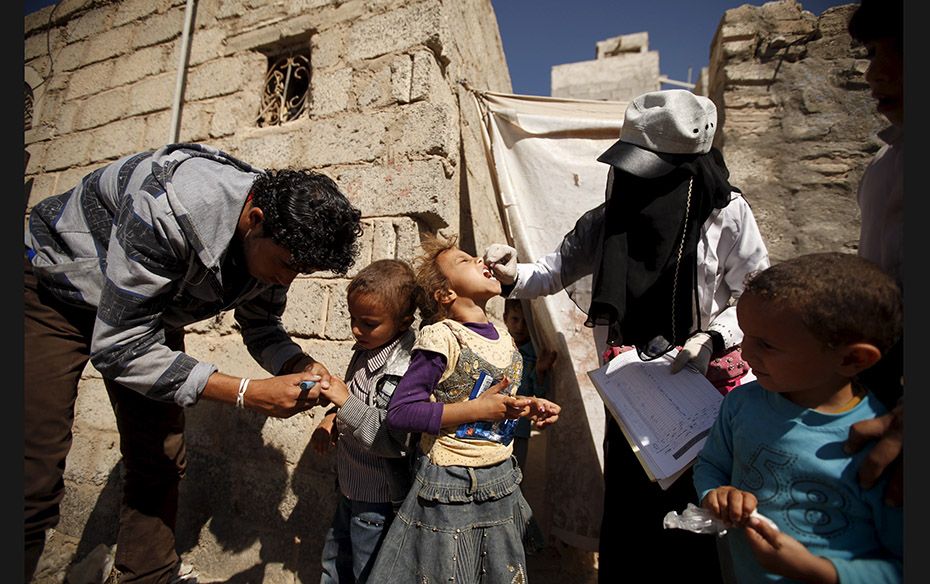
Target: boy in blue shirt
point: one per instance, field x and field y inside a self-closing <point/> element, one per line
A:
<point x="811" y="325"/>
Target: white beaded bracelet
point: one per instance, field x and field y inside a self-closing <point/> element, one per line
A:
<point x="243" y="386"/>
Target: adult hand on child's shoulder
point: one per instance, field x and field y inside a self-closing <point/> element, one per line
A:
<point x="782" y="554"/>
<point x="886" y="457"/>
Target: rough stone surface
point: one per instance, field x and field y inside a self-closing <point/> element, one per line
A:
<point x="71" y="150"/>
<point x="90" y="23"/>
<point x="151" y="94"/>
<point x="92" y="79"/>
<point x="233" y="112"/>
<point x="36" y="157"/>
<point x="373" y="87"/>
<point x="206" y="45"/>
<point x="417" y="188"/>
<point x="424" y="129"/>
<point x="308" y="307"/>
<point x="158" y="129"/>
<point x="387" y="123"/>
<point x="327" y="48"/>
<point x="71" y="56"/>
<point x="114" y="140"/>
<point x="36" y="45"/>
<point x="624" y="68"/>
<point x="798" y="122"/>
<point x="426" y="76"/>
<point x="159" y="28"/>
<point x="330" y="91"/>
<point x="133" y="10"/>
<point x="415" y="24"/>
<point x="140" y="64"/>
<point x="637" y="42"/>
<point x="401" y="71"/>
<point x="195" y="122"/>
<point x="216" y="78"/>
<point x="618" y="78"/>
<point x="111" y="43"/>
<point x="110" y="106"/>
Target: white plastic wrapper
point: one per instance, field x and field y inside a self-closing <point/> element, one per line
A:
<point x="700" y="520"/>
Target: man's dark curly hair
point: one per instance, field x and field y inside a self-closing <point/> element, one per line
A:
<point x="307" y="214"/>
<point x="878" y="19"/>
<point x="841" y="298"/>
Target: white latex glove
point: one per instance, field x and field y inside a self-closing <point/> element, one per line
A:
<point x="502" y="259"/>
<point x="696" y="350"/>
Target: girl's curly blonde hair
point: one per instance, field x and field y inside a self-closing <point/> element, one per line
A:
<point x="430" y="278"/>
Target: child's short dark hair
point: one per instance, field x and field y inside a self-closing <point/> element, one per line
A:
<point x="392" y="281"/>
<point x="430" y="278"/>
<point x="877" y="19"/>
<point x="513" y="304"/>
<point x="841" y="298"/>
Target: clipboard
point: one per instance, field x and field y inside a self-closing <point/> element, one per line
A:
<point x="664" y="417"/>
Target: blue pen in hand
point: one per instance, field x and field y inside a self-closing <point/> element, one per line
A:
<point x="306" y="385"/>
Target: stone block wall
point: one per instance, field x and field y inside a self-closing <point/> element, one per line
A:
<point x="388" y="119"/>
<point x="797" y="122"/>
<point x="623" y="69"/>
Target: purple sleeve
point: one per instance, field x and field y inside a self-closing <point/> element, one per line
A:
<point x="410" y="409"/>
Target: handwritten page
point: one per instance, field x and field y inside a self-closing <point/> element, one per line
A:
<point x="665" y="417"/>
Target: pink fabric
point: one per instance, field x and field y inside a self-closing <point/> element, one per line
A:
<point x="725" y="372"/>
<point x="611" y="352"/>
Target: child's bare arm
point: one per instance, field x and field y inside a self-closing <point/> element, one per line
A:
<point x="782" y="554"/>
<point x="324" y="437"/>
<point x="490" y="406"/>
<point x="329" y="420"/>
<point x="730" y="504"/>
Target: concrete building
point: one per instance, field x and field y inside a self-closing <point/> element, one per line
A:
<point x="624" y="67"/>
<point x="798" y="123"/>
<point x="380" y="110"/>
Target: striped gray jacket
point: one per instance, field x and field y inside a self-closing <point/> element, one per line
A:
<point x="142" y="241"/>
<point x="374" y="462"/>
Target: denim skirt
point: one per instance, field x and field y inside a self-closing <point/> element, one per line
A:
<point x="458" y="524"/>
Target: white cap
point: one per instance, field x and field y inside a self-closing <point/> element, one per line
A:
<point x="662" y="129"/>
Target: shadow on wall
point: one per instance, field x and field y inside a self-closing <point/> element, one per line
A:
<point x="233" y="521"/>
<point x="239" y="489"/>
<point x="101" y="526"/>
<point x="572" y="439"/>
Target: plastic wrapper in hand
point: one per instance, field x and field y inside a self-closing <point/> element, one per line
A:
<point x="700" y="520"/>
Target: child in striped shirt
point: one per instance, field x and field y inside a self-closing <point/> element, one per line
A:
<point x="373" y="464"/>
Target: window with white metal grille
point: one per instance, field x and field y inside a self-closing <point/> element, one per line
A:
<point x="286" y="94"/>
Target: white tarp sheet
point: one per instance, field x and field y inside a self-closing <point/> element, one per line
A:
<point x="543" y="153"/>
